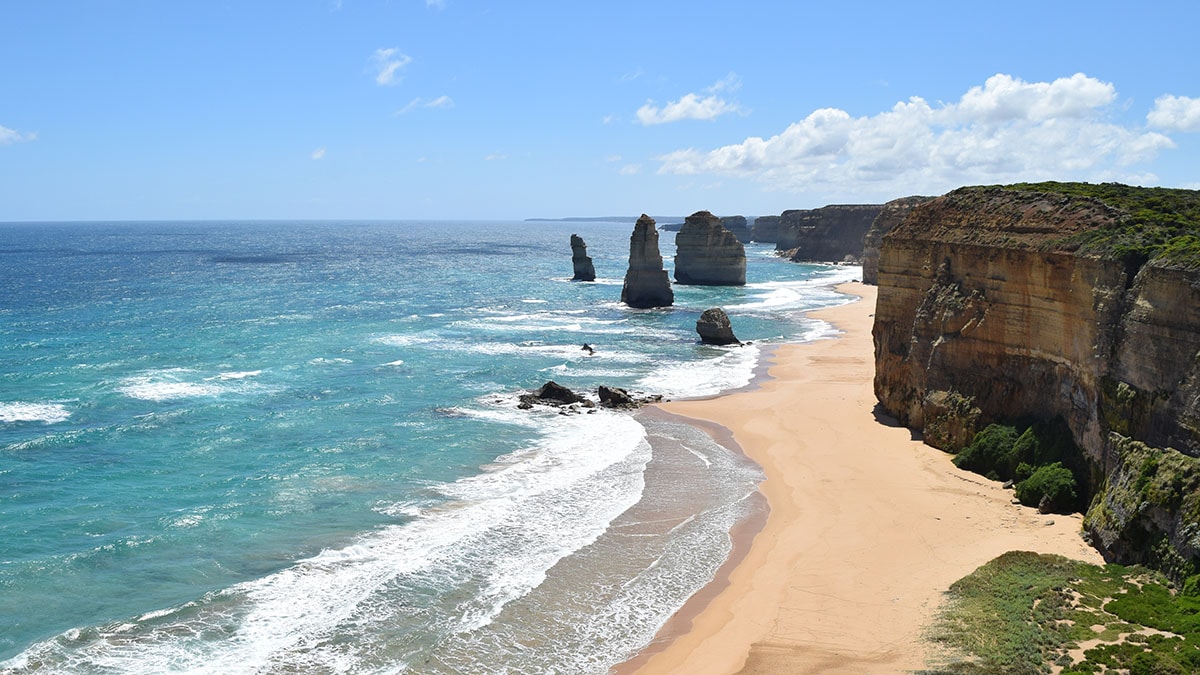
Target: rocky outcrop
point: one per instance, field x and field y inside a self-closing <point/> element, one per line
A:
<point x="1037" y="303"/>
<point x="892" y="214"/>
<point x="828" y="234"/>
<point x="737" y="225"/>
<point x="707" y="254"/>
<point x="714" y="328"/>
<point x="584" y="270"/>
<point x="646" y="282"/>
<point x="765" y="230"/>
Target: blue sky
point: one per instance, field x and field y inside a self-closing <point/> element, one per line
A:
<point x="211" y="109"/>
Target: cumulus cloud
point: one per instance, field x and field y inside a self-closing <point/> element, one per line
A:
<point x="439" y="102"/>
<point x="10" y="136"/>
<point x="387" y="63"/>
<point x="319" y="153"/>
<point x="1004" y="130"/>
<point x="1175" y="113"/>
<point x="693" y="106"/>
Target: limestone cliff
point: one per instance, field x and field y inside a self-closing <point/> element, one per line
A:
<point x="893" y="214"/>
<point x="707" y="254"/>
<point x="829" y="234"/>
<point x="581" y="261"/>
<point x="737" y="225"/>
<point x="1057" y="301"/>
<point x="646" y="282"/>
<point x="765" y="229"/>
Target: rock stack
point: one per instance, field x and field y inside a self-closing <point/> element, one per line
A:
<point x="584" y="270"/>
<point x="646" y="282"/>
<point x="765" y="229"/>
<point x="708" y="254"/>
<point x="714" y="328"/>
<point x="737" y="225"/>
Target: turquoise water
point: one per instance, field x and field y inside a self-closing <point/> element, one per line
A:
<point x="295" y="447"/>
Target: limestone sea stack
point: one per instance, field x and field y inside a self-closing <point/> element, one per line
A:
<point x="707" y="254"/>
<point x="584" y="270"/>
<point x="646" y="282"/>
<point x="765" y="230"/>
<point x="737" y="225"/>
<point x="714" y="328"/>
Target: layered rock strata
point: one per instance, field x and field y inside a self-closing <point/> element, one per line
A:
<point x="829" y="234"/>
<point x="582" y="263"/>
<point x="893" y="214"/>
<point x="646" y="282"/>
<point x="990" y="310"/>
<point x="707" y="254"/>
<point x="737" y="225"/>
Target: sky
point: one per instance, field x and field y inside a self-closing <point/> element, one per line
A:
<point x="470" y="109"/>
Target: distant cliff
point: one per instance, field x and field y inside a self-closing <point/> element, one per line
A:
<point x="828" y="234"/>
<point x="1052" y="301"/>
<point x="737" y="225"/>
<point x="765" y="229"/>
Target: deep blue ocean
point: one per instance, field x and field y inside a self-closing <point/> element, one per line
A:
<point x="282" y="447"/>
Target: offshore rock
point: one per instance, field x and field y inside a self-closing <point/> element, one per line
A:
<point x="737" y="225"/>
<point x="646" y="282"/>
<point x="584" y="270"/>
<point x="714" y="328"/>
<point x="551" y="393"/>
<point x="707" y="254"/>
<point x="893" y="214"/>
<point x="765" y="230"/>
<point x="615" y="397"/>
<point x="829" y="234"/>
<point x="990" y="310"/>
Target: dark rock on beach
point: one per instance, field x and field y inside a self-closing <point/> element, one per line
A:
<point x="714" y="328"/>
<point x="551" y="393"/>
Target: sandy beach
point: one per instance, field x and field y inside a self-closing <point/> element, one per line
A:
<point x="867" y="526"/>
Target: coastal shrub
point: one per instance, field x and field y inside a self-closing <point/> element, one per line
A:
<point x="990" y="452"/>
<point x="1023" y="612"/>
<point x="1054" y="483"/>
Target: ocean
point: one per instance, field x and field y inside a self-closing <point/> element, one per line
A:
<point x="282" y="447"/>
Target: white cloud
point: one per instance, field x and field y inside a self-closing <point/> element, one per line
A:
<point x="439" y="102"/>
<point x="692" y="106"/>
<point x="1004" y="130"/>
<point x="10" y="136"/>
<point x="388" y="63"/>
<point x="319" y="153"/>
<point x="440" y="4"/>
<point x="630" y="169"/>
<point x="495" y="156"/>
<point x="608" y="119"/>
<point x="1175" y="113"/>
<point x="612" y="158"/>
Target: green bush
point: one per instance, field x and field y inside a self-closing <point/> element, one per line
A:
<point x="1053" y="482"/>
<point x="990" y="452"/>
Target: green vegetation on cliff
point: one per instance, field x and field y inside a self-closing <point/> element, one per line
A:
<point x="1023" y="612"/>
<point x="1040" y="458"/>
<point x="1161" y="224"/>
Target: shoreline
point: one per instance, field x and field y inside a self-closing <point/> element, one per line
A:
<point x="864" y="527"/>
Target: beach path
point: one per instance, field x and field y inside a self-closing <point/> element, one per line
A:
<point x="867" y="526"/>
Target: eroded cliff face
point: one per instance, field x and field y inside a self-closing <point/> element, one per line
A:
<point x="765" y="229"/>
<point x="829" y="234"/>
<point x="737" y="225"/>
<point x="986" y="312"/>
<point x="893" y="214"/>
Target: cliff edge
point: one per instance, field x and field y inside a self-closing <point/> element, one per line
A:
<point x="1063" y="302"/>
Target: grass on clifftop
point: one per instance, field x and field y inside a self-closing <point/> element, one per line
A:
<point x="1161" y="224"/>
<point x="1030" y="613"/>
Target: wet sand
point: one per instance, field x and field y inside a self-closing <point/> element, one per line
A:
<point x="867" y="526"/>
